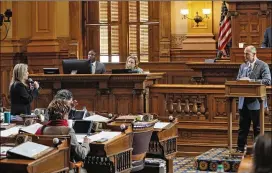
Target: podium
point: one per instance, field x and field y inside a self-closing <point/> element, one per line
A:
<point x="247" y="89"/>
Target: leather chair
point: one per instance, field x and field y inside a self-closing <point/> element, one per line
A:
<point x="141" y="139"/>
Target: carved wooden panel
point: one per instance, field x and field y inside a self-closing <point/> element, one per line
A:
<point x="43" y="19"/>
<point x="45" y="96"/>
<point x="123" y="104"/>
<point x="250" y="21"/>
<point x="187" y="106"/>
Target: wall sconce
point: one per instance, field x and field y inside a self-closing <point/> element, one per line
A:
<point x="197" y="18"/>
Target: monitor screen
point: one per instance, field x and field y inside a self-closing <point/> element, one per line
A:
<point x="122" y="71"/>
<point x="76" y="66"/>
<point x="50" y="70"/>
<point x="81" y="126"/>
<point x="80" y="114"/>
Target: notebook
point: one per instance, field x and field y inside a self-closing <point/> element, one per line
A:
<point x="82" y="126"/>
<point x="161" y="125"/>
<point x="97" y="118"/>
<point x="29" y="150"/>
<point x="126" y="118"/>
<point x="31" y="128"/>
<point x="99" y="136"/>
<point x="10" y="131"/>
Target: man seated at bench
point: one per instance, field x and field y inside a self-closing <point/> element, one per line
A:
<point x="58" y="111"/>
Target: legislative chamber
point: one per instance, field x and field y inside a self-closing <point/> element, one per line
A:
<point x="135" y="86"/>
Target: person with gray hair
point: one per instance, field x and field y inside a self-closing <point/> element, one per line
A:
<point x="67" y="96"/>
<point x="249" y="108"/>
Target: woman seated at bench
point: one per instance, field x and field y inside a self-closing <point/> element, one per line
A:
<point x="133" y="64"/>
<point x="58" y="111"/>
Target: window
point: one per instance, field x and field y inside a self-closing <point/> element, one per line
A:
<point x="117" y="29"/>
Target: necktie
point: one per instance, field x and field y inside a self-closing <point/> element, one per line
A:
<point x="249" y="70"/>
<point x="93" y="68"/>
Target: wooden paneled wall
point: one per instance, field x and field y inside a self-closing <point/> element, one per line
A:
<point x="249" y="21"/>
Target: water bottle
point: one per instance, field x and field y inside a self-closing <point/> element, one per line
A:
<point x="220" y="168"/>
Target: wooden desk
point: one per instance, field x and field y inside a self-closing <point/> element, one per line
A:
<point x="112" y="156"/>
<point x="163" y="144"/>
<point x="110" y="93"/>
<point x="246" y="165"/>
<point x="55" y="161"/>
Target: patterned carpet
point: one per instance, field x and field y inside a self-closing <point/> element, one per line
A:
<point x="187" y="164"/>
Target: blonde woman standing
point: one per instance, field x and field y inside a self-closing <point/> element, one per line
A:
<point x="21" y="91"/>
<point x="132" y="63"/>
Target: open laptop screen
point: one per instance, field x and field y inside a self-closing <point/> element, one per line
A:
<point x="81" y="126"/>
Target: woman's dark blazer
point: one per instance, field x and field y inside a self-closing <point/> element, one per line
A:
<point x="21" y="97"/>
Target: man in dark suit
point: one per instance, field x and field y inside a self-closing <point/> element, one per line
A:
<point x="95" y="66"/>
<point x="267" y="42"/>
<point x="249" y="108"/>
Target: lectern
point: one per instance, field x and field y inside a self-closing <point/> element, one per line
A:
<point x="247" y="89"/>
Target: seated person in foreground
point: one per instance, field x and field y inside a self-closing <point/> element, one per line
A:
<point x="58" y="111"/>
<point x="132" y="63"/>
<point x="263" y="155"/>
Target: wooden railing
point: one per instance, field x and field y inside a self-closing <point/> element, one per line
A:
<point x="201" y="110"/>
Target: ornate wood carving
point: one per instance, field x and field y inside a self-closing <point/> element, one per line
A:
<point x="110" y="93"/>
<point x="250" y="23"/>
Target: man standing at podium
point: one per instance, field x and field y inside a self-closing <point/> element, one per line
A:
<point x="95" y="66"/>
<point x="249" y="108"/>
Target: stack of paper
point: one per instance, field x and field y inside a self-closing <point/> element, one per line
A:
<point x="98" y="136"/>
<point x="161" y="125"/>
<point x="29" y="150"/>
<point x="31" y="128"/>
<point x="10" y="131"/>
<point x="4" y="150"/>
<point x="97" y="118"/>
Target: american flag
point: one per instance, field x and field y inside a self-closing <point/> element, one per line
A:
<point x="224" y="28"/>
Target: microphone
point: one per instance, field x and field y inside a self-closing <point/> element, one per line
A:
<point x="56" y="142"/>
<point x="30" y="81"/>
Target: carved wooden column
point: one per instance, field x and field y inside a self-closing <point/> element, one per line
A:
<point x="138" y="101"/>
<point x="165" y="30"/>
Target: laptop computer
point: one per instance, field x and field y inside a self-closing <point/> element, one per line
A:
<point x="122" y="71"/>
<point x="83" y="127"/>
<point x="51" y="71"/>
<point x="79" y="114"/>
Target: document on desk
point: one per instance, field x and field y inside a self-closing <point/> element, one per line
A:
<point x="29" y="150"/>
<point x="31" y="128"/>
<point x="4" y="149"/>
<point x="98" y="136"/>
<point x="97" y="118"/>
<point x="10" y="131"/>
<point x="161" y="125"/>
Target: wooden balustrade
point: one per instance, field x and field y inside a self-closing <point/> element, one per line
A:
<point x="201" y="111"/>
